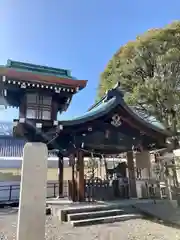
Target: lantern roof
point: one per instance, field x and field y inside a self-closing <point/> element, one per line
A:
<point x="40" y="74"/>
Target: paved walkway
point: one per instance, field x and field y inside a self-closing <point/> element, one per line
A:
<point x="122" y="202"/>
<point x="165" y="211"/>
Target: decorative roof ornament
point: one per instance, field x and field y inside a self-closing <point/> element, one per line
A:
<point x="23" y="85"/>
<point x="116" y="120"/>
<point x="117" y="85"/>
<point x="116" y="91"/>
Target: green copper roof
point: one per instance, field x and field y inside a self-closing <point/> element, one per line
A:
<point x="100" y="108"/>
<point x="103" y="108"/>
<point x="156" y="123"/>
<point x="149" y="119"/>
<point x="39" y="69"/>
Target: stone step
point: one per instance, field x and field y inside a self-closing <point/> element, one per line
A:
<point x="48" y="211"/>
<point x="101" y="220"/>
<point x="95" y="214"/>
<point x="63" y="213"/>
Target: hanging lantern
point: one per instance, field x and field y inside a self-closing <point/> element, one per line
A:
<point x="107" y="133"/>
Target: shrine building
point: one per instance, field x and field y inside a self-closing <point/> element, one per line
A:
<point x="109" y="127"/>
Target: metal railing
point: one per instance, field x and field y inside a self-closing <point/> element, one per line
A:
<point x="10" y="193"/>
<point x="6" y="192"/>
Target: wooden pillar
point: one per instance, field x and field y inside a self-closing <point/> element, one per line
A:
<point x="23" y="107"/>
<point x="60" y="175"/>
<point x="54" y="110"/>
<point x="80" y="177"/>
<point x="73" y="184"/>
<point x="131" y="173"/>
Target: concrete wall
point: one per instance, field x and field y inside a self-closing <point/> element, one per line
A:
<point x="13" y="174"/>
<point x="16" y="163"/>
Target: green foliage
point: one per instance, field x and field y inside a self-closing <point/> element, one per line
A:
<point x="149" y="71"/>
<point x="92" y="165"/>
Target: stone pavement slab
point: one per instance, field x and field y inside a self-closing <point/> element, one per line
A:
<point x="166" y="211"/>
<point x="64" y="203"/>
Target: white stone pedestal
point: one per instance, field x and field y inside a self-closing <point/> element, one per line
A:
<point x="32" y="206"/>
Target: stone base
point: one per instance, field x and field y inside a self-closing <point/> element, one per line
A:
<point x="59" y="197"/>
<point x="48" y="211"/>
<point x="9" y="204"/>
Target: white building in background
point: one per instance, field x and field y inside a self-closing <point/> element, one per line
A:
<point x="16" y="162"/>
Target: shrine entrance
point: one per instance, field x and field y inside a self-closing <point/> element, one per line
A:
<point x="95" y="188"/>
<point x="109" y="127"/>
<point x="99" y="190"/>
<point x="105" y="190"/>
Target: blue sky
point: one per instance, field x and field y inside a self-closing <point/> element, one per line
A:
<point x="79" y="35"/>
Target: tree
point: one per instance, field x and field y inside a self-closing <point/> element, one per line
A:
<point x="149" y="72"/>
<point x="92" y="165"/>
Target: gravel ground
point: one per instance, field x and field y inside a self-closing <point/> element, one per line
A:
<point x="129" y="230"/>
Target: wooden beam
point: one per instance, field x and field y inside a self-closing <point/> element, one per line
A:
<point x="80" y="180"/>
<point x="131" y="173"/>
<point x="60" y="175"/>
